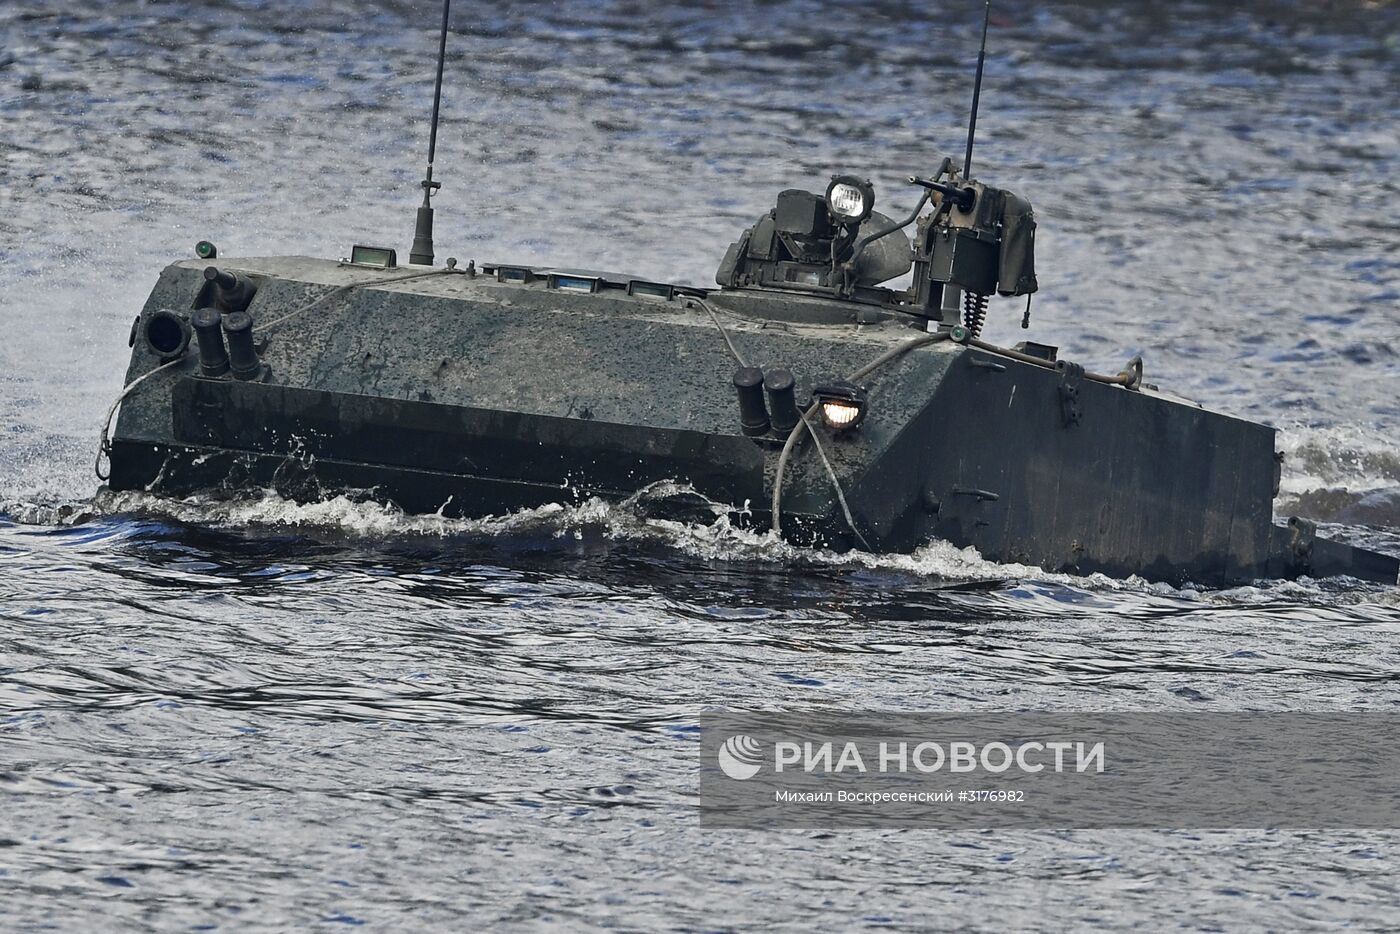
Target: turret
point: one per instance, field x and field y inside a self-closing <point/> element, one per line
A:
<point x="976" y="240"/>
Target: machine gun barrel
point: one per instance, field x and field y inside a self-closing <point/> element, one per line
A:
<point x="964" y="198"/>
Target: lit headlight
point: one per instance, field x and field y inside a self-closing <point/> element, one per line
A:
<point x="843" y="405"/>
<point x="839" y="413"/>
<point x="849" y="199"/>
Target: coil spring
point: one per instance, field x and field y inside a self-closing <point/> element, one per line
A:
<point x="974" y="313"/>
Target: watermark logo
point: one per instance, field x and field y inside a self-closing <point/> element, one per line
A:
<point x="740" y="757"/>
<point x="1048" y="769"/>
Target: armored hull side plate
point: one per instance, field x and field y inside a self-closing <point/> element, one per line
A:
<point x="538" y="449"/>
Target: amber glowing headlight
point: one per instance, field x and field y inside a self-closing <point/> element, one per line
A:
<point x="843" y="405"/>
<point x="849" y="199"/>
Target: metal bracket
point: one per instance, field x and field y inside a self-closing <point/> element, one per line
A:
<point x="1132" y="374"/>
<point x="1302" y="534"/>
<point x="1071" y="375"/>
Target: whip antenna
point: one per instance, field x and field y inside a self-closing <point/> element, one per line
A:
<point x="977" y="92"/>
<point x="422" y="252"/>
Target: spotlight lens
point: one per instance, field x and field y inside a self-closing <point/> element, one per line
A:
<point x="846" y="200"/>
<point x="840" y="414"/>
<point x="843" y="405"/>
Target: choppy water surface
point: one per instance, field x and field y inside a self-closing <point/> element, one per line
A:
<point x="255" y="714"/>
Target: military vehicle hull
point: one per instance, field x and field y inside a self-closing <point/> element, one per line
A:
<point x="470" y="394"/>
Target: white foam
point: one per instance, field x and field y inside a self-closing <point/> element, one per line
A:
<point x="1356" y="458"/>
<point x="720" y="540"/>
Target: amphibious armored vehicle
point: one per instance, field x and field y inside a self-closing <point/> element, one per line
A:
<point x="805" y="394"/>
<point x="801" y="394"/>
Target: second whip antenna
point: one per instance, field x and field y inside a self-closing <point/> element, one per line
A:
<point x="422" y="252"/>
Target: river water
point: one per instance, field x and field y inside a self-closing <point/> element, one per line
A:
<point x="258" y="715"/>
